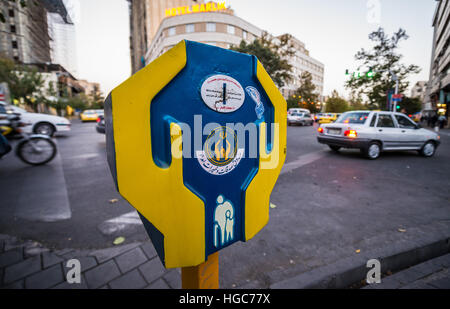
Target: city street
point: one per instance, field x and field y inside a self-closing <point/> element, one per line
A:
<point x="325" y="207"/>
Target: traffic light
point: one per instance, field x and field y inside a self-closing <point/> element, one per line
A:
<point x="359" y="74"/>
<point x="398" y="106"/>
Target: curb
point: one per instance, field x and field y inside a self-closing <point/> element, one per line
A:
<point x="344" y="273"/>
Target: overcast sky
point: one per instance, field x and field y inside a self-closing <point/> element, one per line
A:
<point x="333" y="31"/>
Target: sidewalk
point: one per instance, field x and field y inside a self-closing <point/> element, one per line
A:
<point x="29" y="265"/>
<point x="432" y="274"/>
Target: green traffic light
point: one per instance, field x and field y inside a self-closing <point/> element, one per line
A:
<point x="398" y="106"/>
<point x="370" y="74"/>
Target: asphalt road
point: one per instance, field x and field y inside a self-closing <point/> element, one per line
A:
<point x="327" y="204"/>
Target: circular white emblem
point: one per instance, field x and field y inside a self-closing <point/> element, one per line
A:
<point x="222" y="93"/>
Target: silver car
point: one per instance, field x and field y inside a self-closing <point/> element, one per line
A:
<point x="302" y="118"/>
<point x="373" y="132"/>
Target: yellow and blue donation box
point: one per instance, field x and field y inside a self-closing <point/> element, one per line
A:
<point x="195" y="142"/>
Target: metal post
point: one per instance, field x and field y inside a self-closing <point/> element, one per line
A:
<point x="203" y="276"/>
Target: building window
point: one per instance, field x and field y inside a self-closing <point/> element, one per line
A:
<point x="211" y="27"/>
<point x="11" y="13"/>
<point x="244" y="34"/>
<point x="12" y="28"/>
<point x="190" y="28"/>
<point x="14" y="44"/>
<point x="231" y="29"/>
<point x="172" y="31"/>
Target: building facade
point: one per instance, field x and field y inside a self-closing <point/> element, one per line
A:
<point x="24" y="34"/>
<point x="145" y="18"/>
<point x="40" y="32"/>
<point x="210" y="23"/>
<point x="301" y="62"/>
<point x="438" y="88"/>
<point x="213" y="28"/>
<point x="419" y="90"/>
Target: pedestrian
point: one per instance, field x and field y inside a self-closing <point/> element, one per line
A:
<point x="434" y="119"/>
<point x="442" y="120"/>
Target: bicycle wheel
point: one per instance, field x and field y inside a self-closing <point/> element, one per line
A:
<point x="36" y="150"/>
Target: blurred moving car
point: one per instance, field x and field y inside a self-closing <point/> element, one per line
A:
<point x="100" y="127"/>
<point x="373" y="132"/>
<point x="39" y="123"/>
<point x="328" y="118"/>
<point x="90" y="115"/>
<point x="317" y="117"/>
<point x="300" y="118"/>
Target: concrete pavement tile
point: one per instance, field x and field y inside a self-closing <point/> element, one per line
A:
<point x="131" y="280"/>
<point x="72" y="286"/>
<point x="102" y="274"/>
<point x="11" y="257"/>
<point x="103" y="255"/>
<point x="443" y="283"/>
<point x="173" y="279"/>
<point x="50" y="259"/>
<point x="418" y="285"/>
<point x="22" y="269"/>
<point x="130" y="259"/>
<point x="159" y="284"/>
<point x="149" y="250"/>
<point x="15" y="286"/>
<point x="152" y="270"/>
<point x="86" y="263"/>
<point x="46" y="278"/>
<point x="409" y="275"/>
<point x="63" y="251"/>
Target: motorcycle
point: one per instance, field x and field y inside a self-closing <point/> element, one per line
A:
<point x="34" y="149"/>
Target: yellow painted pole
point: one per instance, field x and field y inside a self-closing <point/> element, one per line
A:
<point x="203" y="276"/>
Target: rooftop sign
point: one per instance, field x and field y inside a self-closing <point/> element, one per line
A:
<point x="197" y="8"/>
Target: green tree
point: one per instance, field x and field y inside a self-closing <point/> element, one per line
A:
<point x="409" y="105"/>
<point x="305" y="95"/>
<point x="380" y="59"/>
<point x="98" y="100"/>
<point x="336" y="104"/>
<point x="273" y="54"/>
<point x="356" y="102"/>
<point x="24" y="82"/>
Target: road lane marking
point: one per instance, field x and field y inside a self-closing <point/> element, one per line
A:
<point x="43" y="193"/>
<point x="120" y="223"/>
<point x="302" y="161"/>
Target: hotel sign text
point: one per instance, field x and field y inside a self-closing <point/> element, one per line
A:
<point x="197" y="8"/>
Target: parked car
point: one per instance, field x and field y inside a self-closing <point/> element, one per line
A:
<point x="39" y="123"/>
<point x="300" y="118"/>
<point x="89" y="115"/>
<point x="374" y="132"/>
<point x="100" y="127"/>
<point x="328" y="118"/>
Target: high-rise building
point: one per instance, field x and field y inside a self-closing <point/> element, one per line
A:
<point x="419" y="90"/>
<point x="62" y="34"/>
<point x="24" y="34"/>
<point x="145" y="18"/>
<point x="438" y="88"/>
<point x="40" y="32"/>
<point x="157" y="26"/>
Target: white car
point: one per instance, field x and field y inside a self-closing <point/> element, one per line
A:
<point x="39" y="123"/>
<point x="373" y="132"/>
<point x="300" y="118"/>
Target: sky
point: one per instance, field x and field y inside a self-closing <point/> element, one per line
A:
<point x="332" y="30"/>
